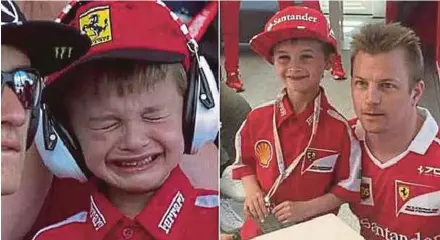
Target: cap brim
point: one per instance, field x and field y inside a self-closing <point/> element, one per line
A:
<point x="141" y="54"/>
<point x="263" y="43"/>
<point x="38" y="39"/>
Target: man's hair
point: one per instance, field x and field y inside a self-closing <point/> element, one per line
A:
<point x="126" y="76"/>
<point x="327" y="49"/>
<point x="382" y="38"/>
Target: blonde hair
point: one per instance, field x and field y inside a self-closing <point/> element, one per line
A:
<point x="127" y="76"/>
<point x="381" y="38"/>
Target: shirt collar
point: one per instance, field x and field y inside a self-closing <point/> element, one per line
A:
<point x="168" y="207"/>
<point x="284" y="109"/>
<point x="422" y="140"/>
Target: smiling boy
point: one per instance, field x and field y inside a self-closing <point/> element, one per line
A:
<point x="296" y="156"/>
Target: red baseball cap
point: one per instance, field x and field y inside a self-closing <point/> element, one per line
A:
<point x="134" y="30"/>
<point x="292" y="22"/>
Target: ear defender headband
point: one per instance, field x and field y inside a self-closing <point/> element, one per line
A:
<point x="60" y="151"/>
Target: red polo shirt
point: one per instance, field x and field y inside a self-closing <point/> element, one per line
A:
<point x="401" y="197"/>
<point x="175" y="211"/>
<point x="65" y="198"/>
<point x="331" y="164"/>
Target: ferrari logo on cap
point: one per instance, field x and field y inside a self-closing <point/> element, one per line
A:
<point x="403" y="192"/>
<point x="263" y="152"/>
<point x="96" y="24"/>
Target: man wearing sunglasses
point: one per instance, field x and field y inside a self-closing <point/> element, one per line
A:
<point x="30" y="50"/>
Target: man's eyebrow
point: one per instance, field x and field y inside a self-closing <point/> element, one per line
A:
<point x="380" y="80"/>
<point x="359" y="77"/>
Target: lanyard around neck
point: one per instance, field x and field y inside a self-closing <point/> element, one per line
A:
<point x="284" y="173"/>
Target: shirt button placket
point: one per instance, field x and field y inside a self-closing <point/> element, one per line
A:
<point x="127" y="233"/>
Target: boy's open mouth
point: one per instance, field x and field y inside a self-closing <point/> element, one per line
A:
<point x="297" y="78"/>
<point x="136" y="164"/>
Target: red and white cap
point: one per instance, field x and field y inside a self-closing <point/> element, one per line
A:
<point x="142" y="30"/>
<point x="292" y="22"/>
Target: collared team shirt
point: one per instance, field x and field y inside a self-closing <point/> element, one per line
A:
<point x="175" y="211"/>
<point x="400" y="199"/>
<point x="330" y="165"/>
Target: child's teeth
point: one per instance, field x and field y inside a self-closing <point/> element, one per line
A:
<point x="136" y="163"/>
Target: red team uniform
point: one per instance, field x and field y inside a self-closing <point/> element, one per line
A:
<point x="175" y="211"/>
<point x="331" y="163"/>
<point x="401" y="197"/>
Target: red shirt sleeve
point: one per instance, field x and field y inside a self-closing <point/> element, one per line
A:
<point x="348" y="169"/>
<point x="244" y="164"/>
<point x="65" y="198"/>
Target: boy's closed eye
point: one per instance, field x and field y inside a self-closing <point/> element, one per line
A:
<point x="155" y="117"/>
<point x="103" y="124"/>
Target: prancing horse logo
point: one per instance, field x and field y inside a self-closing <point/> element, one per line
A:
<point x="94" y="26"/>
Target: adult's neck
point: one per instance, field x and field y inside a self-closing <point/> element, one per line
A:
<point x="387" y="145"/>
<point x="300" y="99"/>
<point x="130" y="204"/>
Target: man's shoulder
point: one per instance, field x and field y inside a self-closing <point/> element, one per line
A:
<point x="66" y="229"/>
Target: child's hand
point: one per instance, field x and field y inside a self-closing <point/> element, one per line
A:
<point x="291" y="212"/>
<point x="254" y="206"/>
<point x="225" y="236"/>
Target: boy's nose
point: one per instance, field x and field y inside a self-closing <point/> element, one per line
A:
<point x="135" y="138"/>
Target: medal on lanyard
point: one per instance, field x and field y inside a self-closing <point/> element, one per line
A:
<point x="284" y="173"/>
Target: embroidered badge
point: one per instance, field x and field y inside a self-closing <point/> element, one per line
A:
<point x="96" y="24"/>
<point x="366" y="191"/>
<point x="416" y="199"/>
<point x="96" y="216"/>
<point x="310" y="154"/>
<point x="319" y="160"/>
<point x="170" y="216"/>
<point x="403" y="192"/>
<point x="263" y="152"/>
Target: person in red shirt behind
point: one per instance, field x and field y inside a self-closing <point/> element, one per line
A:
<point x="296" y="156"/>
<point x="400" y="188"/>
<point x="119" y="111"/>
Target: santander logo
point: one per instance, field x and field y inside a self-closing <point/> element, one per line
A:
<point x="292" y="17"/>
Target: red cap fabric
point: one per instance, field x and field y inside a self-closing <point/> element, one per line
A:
<point x="292" y="22"/>
<point x="133" y="30"/>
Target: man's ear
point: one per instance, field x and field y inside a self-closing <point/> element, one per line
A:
<point x="417" y="92"/>
<point x="328" y="62"/>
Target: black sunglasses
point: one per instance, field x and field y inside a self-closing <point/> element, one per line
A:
<point x="26" y="84"/>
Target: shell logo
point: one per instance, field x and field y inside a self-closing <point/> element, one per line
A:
<point x="263" y="152"/>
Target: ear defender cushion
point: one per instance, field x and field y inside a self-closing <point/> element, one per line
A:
<point x="190" y="105"/>
<point x="54" y="153"/>
<point x="33" y="124"/>
<point x="71" y="143"/>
